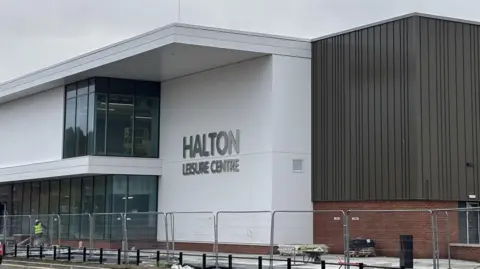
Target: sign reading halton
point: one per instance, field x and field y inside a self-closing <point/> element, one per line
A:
<point x="210" y="145"/>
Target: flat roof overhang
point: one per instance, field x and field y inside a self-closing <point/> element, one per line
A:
<point x="166" y="53"/>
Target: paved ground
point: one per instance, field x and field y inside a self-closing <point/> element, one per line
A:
<point x="148" y="258"/>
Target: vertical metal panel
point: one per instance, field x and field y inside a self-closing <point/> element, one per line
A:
<point x="450" y="115"/>
<point x="396" y="112"/>
<point x="361" y="119"/>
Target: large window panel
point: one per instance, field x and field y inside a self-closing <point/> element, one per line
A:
<point x="100" y="124"/>
<point x="27" y="192"/>
<point x="81" y="126"/>
<point x="87" y="206"/>
<point x="17" y="209"/>
<point x="75" y="207"/>
<point x="142" y="197"/>
<point x="64" y="206"/>
<point x="119" y="203"/>
<point x="44" y="197"/>
<point x="99" y="206"/>
<point x="113" y="117"/>
<point x="35" y="199"/>
<point x="120" y="125"/>
<point x="91" y="124"/>
<point x="54" y="196"/>
<point x="69" y="133"/>
<point x="146" y="126"/>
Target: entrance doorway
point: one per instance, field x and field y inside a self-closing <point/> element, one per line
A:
<point x="473" y="223"/>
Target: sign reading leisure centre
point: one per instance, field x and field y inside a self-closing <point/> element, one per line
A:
<point x="222" y="144"/>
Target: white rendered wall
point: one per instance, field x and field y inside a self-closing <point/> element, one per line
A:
<point x="291" y="105"/>
<point x="31" y="129"/>
<point x="233" y="97"/>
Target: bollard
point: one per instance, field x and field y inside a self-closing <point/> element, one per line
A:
<point x="41" y="252"/>
<point x="259" y="262"/>
<point x="101" y="255"/>
<point x="289" y="263"/>
<point x="119" y="256"/>
<point x="158" y="257"/>
<point x="180" y="258"/>
<point x="28" y="251"/>
<point x="69" y="254"/>
<point x="230" y="261"/>
<point x="84" y="254"/>
<point x="138" y="257"/>
<point x="204" y="261"/>
<point x="54" y="253"/>
<point x="15" y="253"/>
<point x="324" y="265"/>
<point x="361" y="265"/>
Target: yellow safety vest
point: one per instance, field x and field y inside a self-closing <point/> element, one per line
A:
<point x="38" y="228"/>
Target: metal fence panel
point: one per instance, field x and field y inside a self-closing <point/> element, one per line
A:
<point x="290" y="221"/>
<point x="147" y="230"/>
<point x="186" y="226"/>
<point x="384" y="227"/>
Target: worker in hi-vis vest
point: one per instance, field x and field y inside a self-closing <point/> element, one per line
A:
<point x="39" y="229"/>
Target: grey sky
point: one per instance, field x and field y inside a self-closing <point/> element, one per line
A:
<point x="38" y="33"/>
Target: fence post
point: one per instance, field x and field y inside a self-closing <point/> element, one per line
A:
<point x="41" y="252"/>
<point x="158" y="258"/>
<point x="101" y="255"/>
<point x="346" y="235"/>
<point x="323" y="264"/>
<point x="119" y="256"/>
<point x="289" y="263"/>
<point x="230" y="261"/>
<point x="272" y="236"/>
<point x="432" y="226"/>
<point x="260" y="262"/>
<point x="28" y="251"/>
<point x="15" y="249"/>
<point x="54" y="253"/>
<point x="69" y="253"/>
<point x="138" y="257"/>
<point x="204" y="261"/>
<point x="125" y="238"/>
<point x="84" y="254"/>
<point x="180" y="258"/>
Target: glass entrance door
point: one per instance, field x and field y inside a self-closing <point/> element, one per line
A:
<point x="473" y="228"/>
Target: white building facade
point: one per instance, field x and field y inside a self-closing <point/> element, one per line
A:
<point x="180" y="119"/>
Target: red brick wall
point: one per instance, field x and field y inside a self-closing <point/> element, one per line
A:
<point x="466" y="252"/>
<point x="386" y="227"/>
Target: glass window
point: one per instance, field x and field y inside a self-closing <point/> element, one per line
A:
<point x="44" y="197"/>
<point x="119" y="203"/>
<point x="75" y="207"/>
<point x="87" y="206"/>
<point x="114" y="117"/>
<point x="91" y="124"/>
<point x="35" y="198"/>
<point x="27" y="191"/>
<point x="71" y="91"/>
<point x="146" y="126"/>
<point x="82" y="87"/>
<point x="17" y="209"/>
<point x="54" y="196"/>
<point x="99" y="206"/>
<point x="64" y="206"/>
<point x="69" y="133"/>
<point x="119" y="126"/>
<point x="101" y="123"/>
<point x="142" y="197"/>
<point x="81" y="126"/>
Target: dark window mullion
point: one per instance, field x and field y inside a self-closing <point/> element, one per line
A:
<point x="133" y="127"/>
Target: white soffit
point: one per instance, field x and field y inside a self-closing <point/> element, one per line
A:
<point x="176" y="33"/>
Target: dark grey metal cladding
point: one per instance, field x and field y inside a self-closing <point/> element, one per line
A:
<point x="449" y="110"/>
<point x="395" y="112"/>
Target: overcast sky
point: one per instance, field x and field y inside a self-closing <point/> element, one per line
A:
<point x="38" y="33"/>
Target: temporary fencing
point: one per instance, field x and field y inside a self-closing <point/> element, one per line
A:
<point x="386" y="227"/>
<point x="297" y="221"/>
<point x="253" y="229"/>
<point x="455" y="226"/>
<point x="199" y="225"/>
